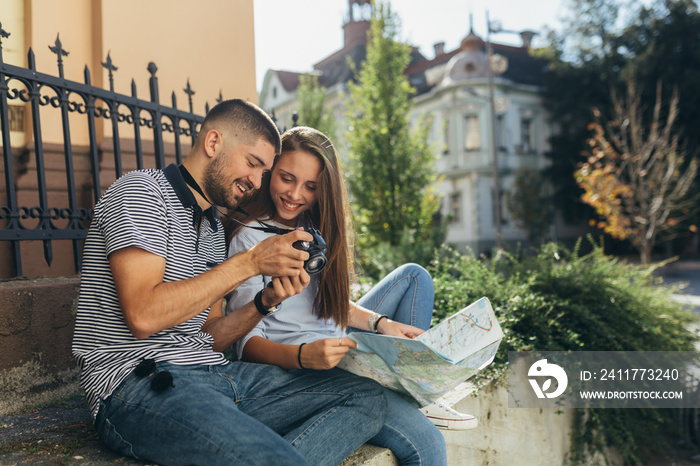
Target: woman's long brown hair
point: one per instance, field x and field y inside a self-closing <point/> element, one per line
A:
<point x="330" y="215"/>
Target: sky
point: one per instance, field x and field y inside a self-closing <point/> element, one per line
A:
<point x="294" y="34"/>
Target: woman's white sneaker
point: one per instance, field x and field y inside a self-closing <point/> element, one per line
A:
<point x="444" y="417"/>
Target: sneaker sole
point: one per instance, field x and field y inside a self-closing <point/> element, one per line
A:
<point x="451" y="424"/>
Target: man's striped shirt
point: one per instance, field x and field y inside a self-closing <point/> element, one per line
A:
<point x="152" y="210"/>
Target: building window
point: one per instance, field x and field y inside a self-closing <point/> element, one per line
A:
<point x="274" y="92"/>
<point x="472" y="139"/>
<point x="16" y="117"/>
<point x="526" y="137"/>
<point x="456" y="207"/>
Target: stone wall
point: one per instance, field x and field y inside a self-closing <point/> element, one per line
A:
<point x="37" y="317"/>
<point x="505" y="436"/>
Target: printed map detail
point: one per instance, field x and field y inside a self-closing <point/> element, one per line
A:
<point x="429" y="366"/>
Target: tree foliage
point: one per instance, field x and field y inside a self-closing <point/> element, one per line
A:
<point x="529" y="203"/>
<point x="604" y="42"/>
<point x="635" y="175"/>
<point x="312" y="108"/>
<point x="391" y="171"/>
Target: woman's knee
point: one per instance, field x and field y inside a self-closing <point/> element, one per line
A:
<point x="421" y="275"/>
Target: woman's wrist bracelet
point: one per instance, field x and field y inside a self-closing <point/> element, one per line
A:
<point x="376" y="323"/>
<point x="371" y="324"/>
<point x="299" y="356"/>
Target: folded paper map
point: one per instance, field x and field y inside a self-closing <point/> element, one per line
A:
<point x="434" y="363"/>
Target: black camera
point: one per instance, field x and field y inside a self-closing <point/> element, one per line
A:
<point x="317" y="249"/>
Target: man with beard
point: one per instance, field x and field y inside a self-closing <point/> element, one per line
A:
<point x="150" y="328"/>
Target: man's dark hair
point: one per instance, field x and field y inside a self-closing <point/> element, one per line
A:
<point x="245" y="121"/>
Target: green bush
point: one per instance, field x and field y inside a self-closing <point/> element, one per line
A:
<point x="560" y="300"/>
<point x="375" y="260"/>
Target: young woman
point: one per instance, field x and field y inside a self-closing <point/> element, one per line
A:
<point x="305" y="189"/>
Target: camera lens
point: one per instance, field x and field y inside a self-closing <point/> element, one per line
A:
<point x="315" y="264"/>
<point x="317" y="248"/>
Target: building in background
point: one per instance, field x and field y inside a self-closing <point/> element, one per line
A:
<point x="184" y="41"/>
<point x="453" y="88"/>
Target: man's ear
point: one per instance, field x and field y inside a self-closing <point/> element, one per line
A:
<point x="213" y="143"/>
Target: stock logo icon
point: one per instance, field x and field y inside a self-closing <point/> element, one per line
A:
<point x="542" y="369"/>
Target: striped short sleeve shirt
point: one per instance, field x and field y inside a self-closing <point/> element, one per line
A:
<point x="152" y="210"/>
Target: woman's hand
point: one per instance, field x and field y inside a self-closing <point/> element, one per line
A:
<point x="325" y="354"/>
<point x="397" y="329"/>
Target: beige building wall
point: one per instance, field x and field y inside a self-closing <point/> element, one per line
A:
<point x="210" y="42"/>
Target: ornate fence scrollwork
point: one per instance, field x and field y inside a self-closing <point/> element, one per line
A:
<point x="41" y="92"/>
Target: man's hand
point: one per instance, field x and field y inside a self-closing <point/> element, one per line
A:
<point x="325" y="354"/>
<point x="276" y="257"/>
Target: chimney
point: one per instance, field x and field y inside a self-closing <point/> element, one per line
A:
<point x="439" y="48"/>
<point x="527" y="38"/>
<point x="355" y="31"/>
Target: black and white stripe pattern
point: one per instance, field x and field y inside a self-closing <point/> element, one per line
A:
<point x="140" y="209"/>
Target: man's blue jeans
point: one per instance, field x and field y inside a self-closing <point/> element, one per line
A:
<point x="242" y="413"/>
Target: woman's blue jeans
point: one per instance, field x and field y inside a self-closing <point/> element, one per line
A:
<point x="406" y="295"/>
<point x="242" y="413"/>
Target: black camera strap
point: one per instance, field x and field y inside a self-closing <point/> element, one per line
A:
<point x="266" y="228"/>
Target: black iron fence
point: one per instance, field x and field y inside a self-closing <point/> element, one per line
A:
<point x="26" y="95"/>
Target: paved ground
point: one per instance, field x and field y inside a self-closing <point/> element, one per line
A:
<point x="62" y="434"/>
<point x="685" y="274"/>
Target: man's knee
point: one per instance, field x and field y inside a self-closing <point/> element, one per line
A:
<point x="375" y="406"/>
<point x="369" y="396"/>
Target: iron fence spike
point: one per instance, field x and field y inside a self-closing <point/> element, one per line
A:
<point x="31" y="59"/>
<point x="188" y="90"/>
<point x="3" y="35"/>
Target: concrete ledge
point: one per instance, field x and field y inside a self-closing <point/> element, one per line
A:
<point x="533" y="436"/>
<point x="370" y="455"/>
<point x="37" y="316"/>
<point x="538" y="437"/>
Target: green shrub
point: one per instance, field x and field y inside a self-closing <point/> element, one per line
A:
<point x="375" y="260"/>
<point x="560" y="300"/>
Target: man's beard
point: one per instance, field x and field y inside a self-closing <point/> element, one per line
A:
<point x="216" y="185"/>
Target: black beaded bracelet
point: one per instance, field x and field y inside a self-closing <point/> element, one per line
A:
<point x="299" y="356"/>
<point x="376" y="324"/>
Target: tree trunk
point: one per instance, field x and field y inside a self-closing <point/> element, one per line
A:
<point x="645" y="253"/>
